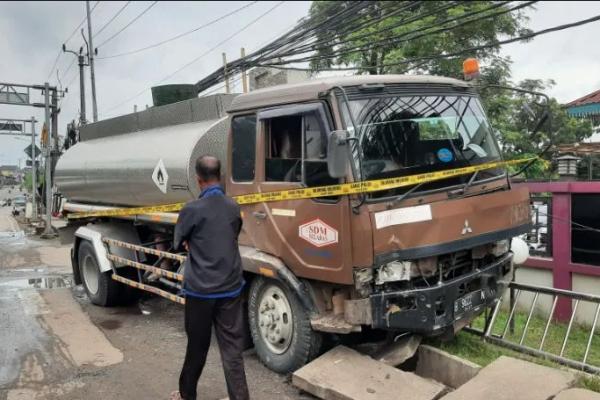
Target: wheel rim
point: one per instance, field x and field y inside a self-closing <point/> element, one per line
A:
<point x="275" y="321"/>
<point x="91" y="274"/>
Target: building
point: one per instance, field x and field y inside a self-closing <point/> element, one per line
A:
<point x="262" y="77"/>
<point x="587" y="107"/>
<point x="9" y="174"/>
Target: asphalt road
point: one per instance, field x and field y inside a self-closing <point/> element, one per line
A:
<point x="54" y="344"/>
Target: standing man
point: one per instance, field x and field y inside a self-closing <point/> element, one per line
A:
<point x="208" y="228"/>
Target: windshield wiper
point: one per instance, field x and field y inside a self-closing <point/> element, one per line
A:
<point x="405" y="194"/>
<point x="470" y="182"/>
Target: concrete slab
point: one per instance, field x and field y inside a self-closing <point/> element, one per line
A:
<point x="73" y="327"/>
<point x="577" y="394"/>
<point x="345" y="374"/>
<point x="444" y="367"/>
<point x="511" y="379"/>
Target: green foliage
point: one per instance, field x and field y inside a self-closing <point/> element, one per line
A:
<point x="27" y="180"/>
<point x="406" y="34"/>
<point x="516" y="116"/>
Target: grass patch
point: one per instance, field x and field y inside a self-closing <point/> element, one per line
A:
<point x="589" y="382"/>
<point x="473" y="348"/>
<point x="576" y="345"/>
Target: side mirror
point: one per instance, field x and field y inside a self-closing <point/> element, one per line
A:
<point x="337" y="154"/>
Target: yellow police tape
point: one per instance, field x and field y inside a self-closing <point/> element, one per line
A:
<point x="315" y="192"/>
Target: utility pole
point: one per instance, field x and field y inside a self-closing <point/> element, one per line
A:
<point x="48" y="232"/>
<point x="81" y="63"/>
<point x="225" y="73"/>
<point x="82" y="117"/>
<point x="91" y="57"/>
<point x="34" y="211"/>
<point x="244" y="82"/>
<point x="54" y="117"/>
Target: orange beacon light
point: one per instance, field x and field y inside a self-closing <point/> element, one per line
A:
<point x="471" y="68"/>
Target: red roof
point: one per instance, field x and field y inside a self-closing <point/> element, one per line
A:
<point x="591" y="98"/>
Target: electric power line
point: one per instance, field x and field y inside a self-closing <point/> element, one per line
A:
<point x="403" y="37"/>
<point x="112" y="19"/>
<point x="68" y="68"/>
<point x="128" y="24"/>
<point x="433" y="12"/>
<point x="178" y="36"/>
<point x="60" y="52"/>
<point x="400" y="23"/>
<point x="201" y="55"/>
<point x="529" y="35"/>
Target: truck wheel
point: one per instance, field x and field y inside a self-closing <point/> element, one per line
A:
<point x="100" y="287"/>
<point x="280" y="327"/>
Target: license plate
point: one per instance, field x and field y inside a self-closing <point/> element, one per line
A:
<point x="468" y="303"/>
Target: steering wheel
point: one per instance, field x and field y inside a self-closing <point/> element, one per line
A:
<point x="373" y="167"/>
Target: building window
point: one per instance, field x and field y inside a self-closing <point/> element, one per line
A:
<point x="585" y="229"/>
<point x="243" y="148"/>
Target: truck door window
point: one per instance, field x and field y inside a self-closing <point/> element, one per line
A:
<point x="243" y="148"/>
<point x="315" y="153"/>
<point x="284" y="151"/>
<point x="297" y="150"/>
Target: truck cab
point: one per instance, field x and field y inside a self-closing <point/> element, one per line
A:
<point x="424" y="258"/>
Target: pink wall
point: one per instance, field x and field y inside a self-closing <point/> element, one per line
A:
<point x="560" y="262"/>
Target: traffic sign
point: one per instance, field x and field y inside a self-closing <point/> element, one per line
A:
<point x="27" y="151"/>
<point x="11" y="127"/>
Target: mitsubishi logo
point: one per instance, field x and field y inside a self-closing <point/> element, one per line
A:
<point x="467" y="228"/>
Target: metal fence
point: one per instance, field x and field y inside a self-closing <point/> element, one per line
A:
<point x="529" y="332"/>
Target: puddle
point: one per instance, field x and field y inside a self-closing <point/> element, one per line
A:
<point x="110" y="324"/>
<point x="11" y="237"/>
<point x="46" y="282"/>
<point x="12" y="234"/>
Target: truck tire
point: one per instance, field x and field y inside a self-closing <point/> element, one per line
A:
<point x="280" y="327"/>
<point x="99" y="286"/>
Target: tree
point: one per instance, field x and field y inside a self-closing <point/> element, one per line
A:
<point x="382" y="36"/>
<point x="515" y="115"/>
<point x="396" y="31"/>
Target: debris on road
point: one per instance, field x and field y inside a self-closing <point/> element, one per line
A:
<point x="343" y="373"/>
<point x="399" y="351"/>
<point x="521" y="380"/>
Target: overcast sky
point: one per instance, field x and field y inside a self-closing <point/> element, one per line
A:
<point x="32" y="32"/>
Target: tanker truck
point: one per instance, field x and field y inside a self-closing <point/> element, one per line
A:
<point x="369" y="203"/>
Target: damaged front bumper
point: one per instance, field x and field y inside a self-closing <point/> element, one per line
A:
<point x="434" y="310"/>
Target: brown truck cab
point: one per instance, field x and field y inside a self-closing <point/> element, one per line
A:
<point x="425" y="258"/>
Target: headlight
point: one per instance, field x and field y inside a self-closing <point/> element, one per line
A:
<point x="500" y="247"/>
<point x="394" y="271"/>
<point x="406" y="270"/>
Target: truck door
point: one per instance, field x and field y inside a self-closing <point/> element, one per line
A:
<point x="310" y="236"/>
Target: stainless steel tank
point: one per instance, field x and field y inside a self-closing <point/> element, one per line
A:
<point x="147" y="167"/>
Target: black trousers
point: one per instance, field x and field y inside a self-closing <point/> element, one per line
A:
<point x="227" y="317"/>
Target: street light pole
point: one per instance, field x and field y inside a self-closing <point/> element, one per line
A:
<point x="91" y="56"/>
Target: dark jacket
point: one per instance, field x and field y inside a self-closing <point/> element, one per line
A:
<point x="211" y="226"/>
